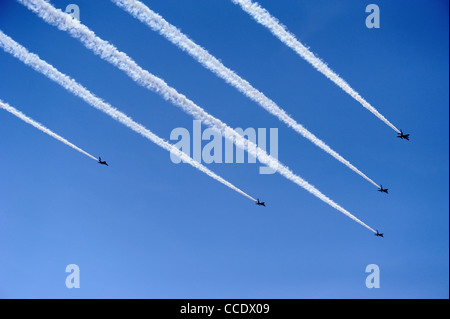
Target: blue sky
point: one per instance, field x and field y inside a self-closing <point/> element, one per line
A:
<point x="148" y="228"/>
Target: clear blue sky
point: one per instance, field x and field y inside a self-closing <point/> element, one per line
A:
<point x="145" y="227"/>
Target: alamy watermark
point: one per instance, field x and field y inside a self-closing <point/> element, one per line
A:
<point x="217" y="151"/>
<point x="373" y="19"/>
<point x="73" y="10"/>
<point x="373" y="279"/>
<point x="73" y="279"/>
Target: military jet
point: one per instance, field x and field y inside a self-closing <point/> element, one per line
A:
<point x="260" y="203"/>
<point x="403" y="136"/>
<point x="102" y="162"/>
<point x="378" y="234"/>
<point x="384" y="190"/>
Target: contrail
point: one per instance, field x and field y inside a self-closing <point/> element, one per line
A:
<point x="41" y="127"/>
<point x="119" y="59"/>
<point x="157" y="23"/>
<point x="33" y="60"/>
<point x="263" y="17"/>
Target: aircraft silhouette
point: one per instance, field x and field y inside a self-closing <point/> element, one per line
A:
<point x="102" y="162"/>
<point x="384" y="190"/>
<point x="404" y="136"/>
<point x="378" y="234"/>
<point x="260" y="203"/>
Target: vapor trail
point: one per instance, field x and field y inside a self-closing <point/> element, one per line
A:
<point x="33" y="60"/>
<point x="41" y="127"/>
<point x="157" y="23"/>
<point x="263" y="17"/>
<point x="119" y="59"/>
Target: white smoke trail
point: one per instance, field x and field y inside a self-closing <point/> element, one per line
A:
<point x="122" y="61"/>
<point x="33" y="60"/>
<point x="41" y="127"/>
<point x="263" y="17"/>
<point x="157" y="23"/>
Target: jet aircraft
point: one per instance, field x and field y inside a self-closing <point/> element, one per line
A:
<point x="379" y="235"/>
<point x="260" y="203"/>
<point x="403" y="136"/>
<point x="384" y="190"/>
<point x="102" y="162"/>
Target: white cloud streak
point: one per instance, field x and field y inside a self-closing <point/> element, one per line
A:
<point x="41" y="127"/>
<point x="263" y="17"/>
